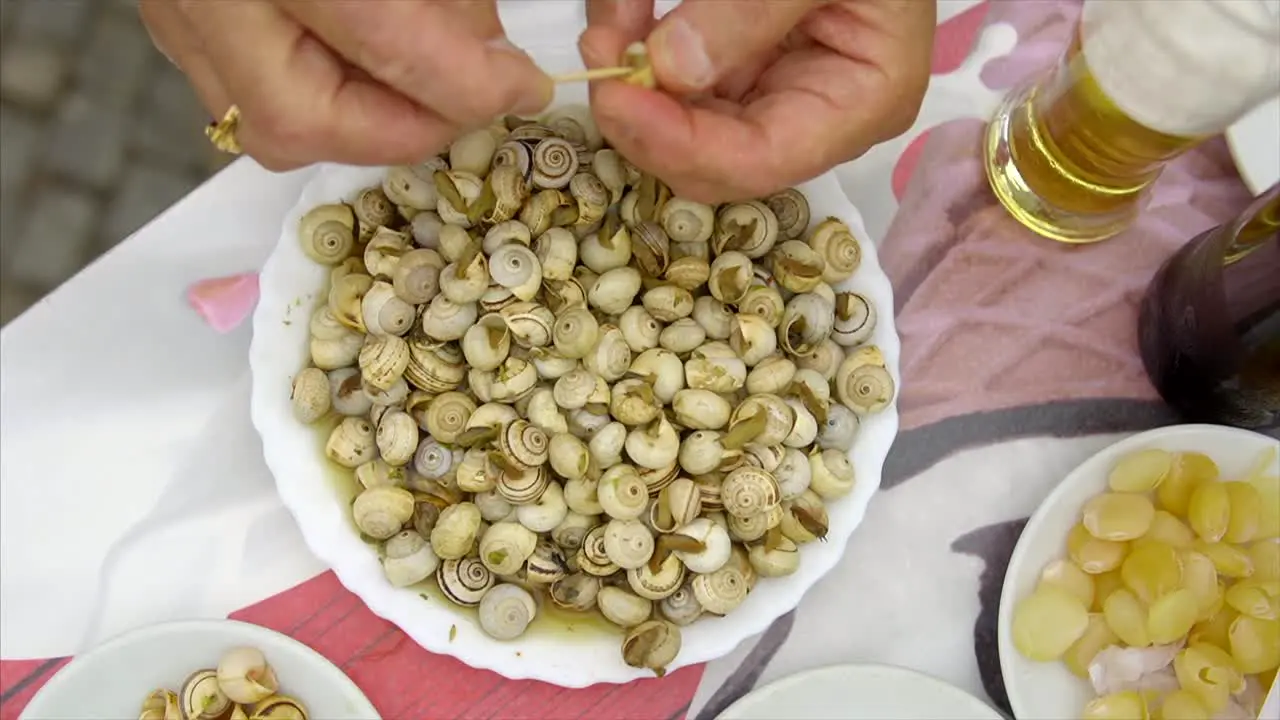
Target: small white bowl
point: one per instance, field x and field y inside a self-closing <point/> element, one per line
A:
<point x="111" y="681"/>
<point x="1049" y="691"/>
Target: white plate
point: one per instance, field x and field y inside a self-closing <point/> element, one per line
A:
<point x="289" y="291"/>
<point x="859" y="692"/>
<point x="1255" y="145"/>
<point x="1049" y="690"/>
<point x="110" y="681"/>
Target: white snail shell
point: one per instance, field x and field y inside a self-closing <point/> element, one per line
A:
<point x="832" y="475"/>
<point x="352" y="442"/>
<point x="622" y="493"/>
<point x="408" y="559"/>
<point x="623" y="608"/>
<point x="381" y="511"/>
<point x="506" y="611"/>
<point x="715" y="540"/>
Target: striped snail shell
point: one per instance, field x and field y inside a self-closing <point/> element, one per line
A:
<point x="554" y="163"/>
<point x="464" y="581"/>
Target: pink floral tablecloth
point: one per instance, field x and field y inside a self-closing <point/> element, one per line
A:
<point x="1019" y="360"/>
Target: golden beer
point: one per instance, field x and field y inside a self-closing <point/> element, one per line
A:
<point x="1067" y="156"/>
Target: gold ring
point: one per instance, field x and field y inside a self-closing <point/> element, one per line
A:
<point x="223" y="132"/>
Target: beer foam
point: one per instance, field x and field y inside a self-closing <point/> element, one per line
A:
<point x="1186" y="67"/>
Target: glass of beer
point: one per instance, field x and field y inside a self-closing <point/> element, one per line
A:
<point x="1071" y="153"/>
<point x="1209" y="324"/>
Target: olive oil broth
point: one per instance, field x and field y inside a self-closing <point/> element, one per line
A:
<point x="551" y="620"/>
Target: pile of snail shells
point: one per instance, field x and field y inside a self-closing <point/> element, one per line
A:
<point x="242" y="687"/>
<point x="559" y="383"/>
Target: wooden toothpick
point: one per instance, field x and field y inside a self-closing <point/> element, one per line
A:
<point x="589" y="75"/>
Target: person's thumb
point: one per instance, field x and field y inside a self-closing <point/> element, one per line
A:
<point x="700" y="41"/>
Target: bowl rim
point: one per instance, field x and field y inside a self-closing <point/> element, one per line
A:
<point x="1053" y="506"/>
<point x="382" y="599"/>
<point x="235" y="630"/>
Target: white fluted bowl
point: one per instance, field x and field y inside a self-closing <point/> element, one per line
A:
<point x="290" y="290"/>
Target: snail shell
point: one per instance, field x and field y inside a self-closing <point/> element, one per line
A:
<point x="506" y="611"/>
<point x="445" y="320"/>
<point x="806" y="323"/>
<point x="592" y="557"/>
<point x="772" y="375"/>
<point x="805" y="429"/>
<point x="200" y="698"/>
<point x="472" y="475"/>
<point x="493" y="507"/>
<point x="384" y="399"/>
<point x="397" y="437"/>
<point x="574" y="123"/>
<point x="720" y="375"/>
<point x="768" y="457"/>
<point x="749" y="227"/>
<point x="405" y="186"/>
<point x="352" y="443"/>
<point x="310" y="395"/>
<point x="663" y="370"/>
<point x="458" y="190"/>
<point x="855" y="319"/>
<point x="611" y="356"/>
<point x="575" y="592"/>
<point x="628" y="543"/>
<point x="804" y="519"/>
<point x="840" y="429"/>
<point x="456" y="530"/>
<point x="465" y="281"/>
<point x="606" y="445"/>
<point x="372" y="210"/>
<point x="668" y="303"/>
<point x="622" y="493"/>
<point x="464" y="581"/>
<point x="426" y="227"/>
<point x="778" y="422"/>
<point x="797" y="267"/>
<point x="686" y="221"/>
<point x="381" y="511"/>
<point x="837" y="246"/>
<point x="575" y="332"/>
<point x="408" y="559"/>
<point x="592" y="197"/>
<point x="864" y="387"/>
<point x="571" y="531"/>
<point x="506" y="546"/>
<point x="682" y="336"/>
<point x="779" y="560"/>
<point x="545" y="514"/>
<point x="689" y="273"/>
<point x="327" y="233"/>
<point x="825" y="360"/>
<point x="714" y="317"/>
<point x="607" y="248"/>
<point x="715" y="541"/>
<point x="416" y="279"/>
<point x="553" y="164"/>
<point x="378" y="472"/>
<point x="701" y="452"/>
<point x="832" y="474"/>
<point x="540" y="210"/>
<point x="651" y="248"/>
<point x="792" y="210"/>
<point x="383" y="253"/>
<point x="473" y="152"/>
<point x="523" y="444"/>
<point x="347" y="393"/>
<point x="516" y="267"/>
<point x="765" y="301"/>
<point x="433" y="367"/>
<point x="614" y="291"/>
<point x="609" y="166"/>
<point x="557" y="252"/>
<point x="639" y="329"/>
<point x="654" y="446"/>
<point x="749" y="490"/>
<point x="622" y="607"/>
<point x="530" y="323"/>
<point x="792" y="474"/>
<point x="731" y="275"/>
<point x="447" y="415"/>
<point x="525" y="487"/>
<point x="633" y="402"/>
<point x="752" y="338"/>
<point x="656" y="585"/>
<point x="432" y="460"/>
<point x="345" y="297"/>
<point x="701" y="409"/>
<point x="542" y="411"/>
<point x="683" y="501"/>
<point x="569" y="456"/>
<point x="574" y="389"/>
<point x="546" y="565"/>
<point x="681" y="607"/>
<point x="722" y="591"/>
<point x="515" y="377"/>
<point x="509" y="232"/>
<point x="513" y="154"/>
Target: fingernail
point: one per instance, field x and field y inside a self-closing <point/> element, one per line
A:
<point x="679" y="48"/>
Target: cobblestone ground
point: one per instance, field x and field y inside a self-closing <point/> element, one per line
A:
<point x="98" y="134"/>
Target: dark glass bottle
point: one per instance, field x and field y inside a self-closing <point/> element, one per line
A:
<point x="1209" y="325"/>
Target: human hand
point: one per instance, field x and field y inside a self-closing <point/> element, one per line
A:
<point x="364" y="83"/>
<point x="759" y="94"/>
